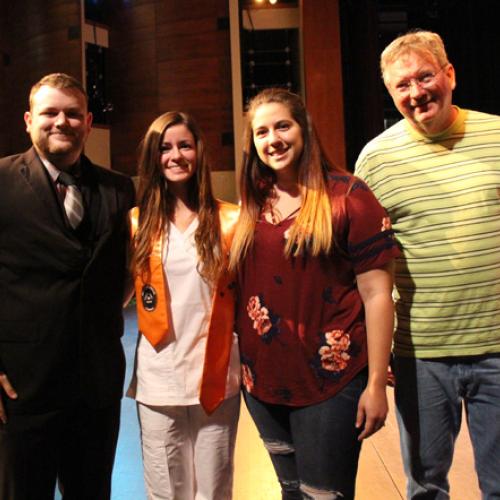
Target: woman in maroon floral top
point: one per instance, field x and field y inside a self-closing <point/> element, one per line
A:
<point x="313" y="250"/>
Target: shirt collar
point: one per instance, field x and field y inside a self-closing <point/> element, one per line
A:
<point x="54" y="171"/>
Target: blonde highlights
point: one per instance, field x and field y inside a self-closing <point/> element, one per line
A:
<point x="312" y="230"/>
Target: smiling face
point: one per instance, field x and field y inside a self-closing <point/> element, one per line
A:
<point x="427" y="106"/>
<point x="178" y="154"/>
<point x="58" y="123"/>
<point x="277" y="138"/>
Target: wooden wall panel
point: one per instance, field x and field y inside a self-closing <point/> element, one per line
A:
<point x="323" y="74"/>
<point x="45" y="38"/>
<point x="169" y="10"/>
<point x="194" y="70"/>
<point x="168" y="58"/>
<point x="173" y="46"/>
<point x="191" y="82"/>
<point x="133" y="80"/>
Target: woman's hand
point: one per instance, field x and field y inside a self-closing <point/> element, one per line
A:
<point x="372" y="411"/>
<point x="375" y="288"/>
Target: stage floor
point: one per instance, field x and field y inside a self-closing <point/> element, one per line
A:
<point x="380" y="474"/>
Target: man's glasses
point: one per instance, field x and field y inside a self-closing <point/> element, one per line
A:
<point x="423" y="81"/>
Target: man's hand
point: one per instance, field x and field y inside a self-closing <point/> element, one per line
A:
<point x="6" y="387"/>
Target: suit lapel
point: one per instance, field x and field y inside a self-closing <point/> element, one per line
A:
<point x="101" y="202"/>
<point x="34" y="173"/>
<point x="97" y="201"/>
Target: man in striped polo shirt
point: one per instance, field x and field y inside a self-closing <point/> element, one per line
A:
<point x="437" y="172"/>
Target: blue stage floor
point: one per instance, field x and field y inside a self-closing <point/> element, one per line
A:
<point x="128" y="483"/>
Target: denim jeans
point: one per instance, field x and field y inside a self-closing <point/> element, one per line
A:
<point x="429" y="397"/>
<point x="314" y="449"/>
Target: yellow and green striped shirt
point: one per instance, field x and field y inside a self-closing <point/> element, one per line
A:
<point x="442" y="193"/>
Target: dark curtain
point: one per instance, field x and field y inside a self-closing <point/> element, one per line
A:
<point x="471" y="33"/>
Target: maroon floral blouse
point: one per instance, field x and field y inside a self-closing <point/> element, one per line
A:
<point x="300" y="321"/>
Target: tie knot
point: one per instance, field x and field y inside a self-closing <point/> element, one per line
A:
<point x="66" y="179"/>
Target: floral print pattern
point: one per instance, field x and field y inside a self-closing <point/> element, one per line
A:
<point x="300" y="320"/>
<point x="259" y="314"/>
<point x="264" y="321"/>
<point x="386" y="224"/>
<point x="247" y="377"/>
<point x="334" y="355"/>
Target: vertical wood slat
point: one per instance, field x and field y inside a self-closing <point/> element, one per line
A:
<point x="194" y="70"/>
<point x="323" y="74"/>
<point x="133" y="79"/>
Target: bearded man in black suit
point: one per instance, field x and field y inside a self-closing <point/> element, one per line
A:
<point x="62" y="278"/>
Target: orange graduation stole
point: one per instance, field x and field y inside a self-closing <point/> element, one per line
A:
<point x="152" y="310"/>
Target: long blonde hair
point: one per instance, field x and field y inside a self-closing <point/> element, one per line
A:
<point x="156" y="202"/>
<point x="312" y="230"/>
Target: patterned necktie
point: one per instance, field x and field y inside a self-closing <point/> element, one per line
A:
<point x="73" y="202"/>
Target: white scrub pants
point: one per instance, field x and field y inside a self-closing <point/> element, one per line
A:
<point x="187" y="454"/>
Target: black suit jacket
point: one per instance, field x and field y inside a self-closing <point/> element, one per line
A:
<point x="61" y="293"/>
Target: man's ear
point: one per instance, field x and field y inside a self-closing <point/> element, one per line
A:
<point x="27" y="120"/>
<point x="90" y="119"/>
<point x="450" y="73"/>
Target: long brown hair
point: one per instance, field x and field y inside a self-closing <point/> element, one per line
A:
<point x="312" y="230"/>
<point x="156" y="202"/>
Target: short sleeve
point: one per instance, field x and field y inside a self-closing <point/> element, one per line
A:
<point x="369" y="234"/>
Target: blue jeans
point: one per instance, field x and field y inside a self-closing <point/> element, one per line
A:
<point x="429" y="396"/>
<point x="314" y="449"/>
